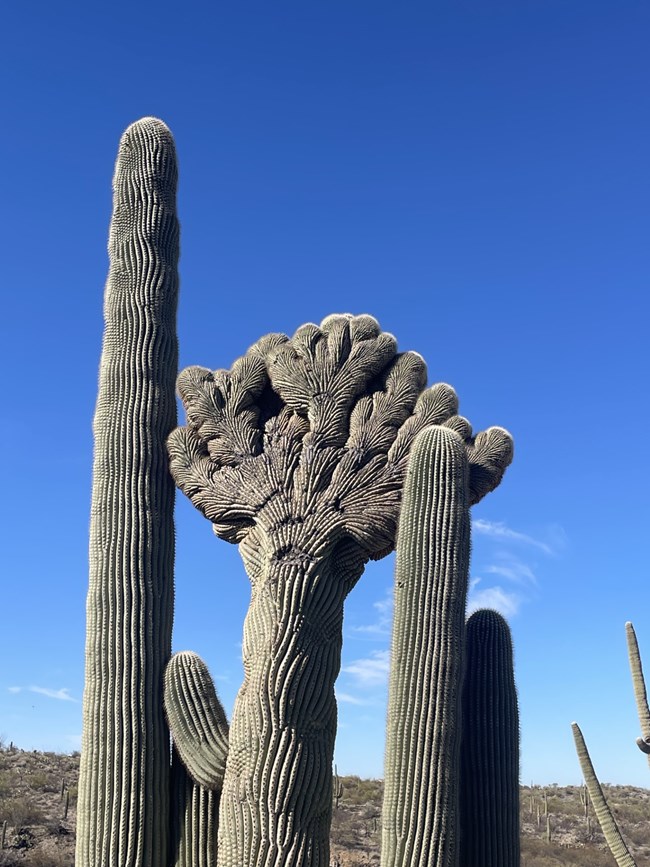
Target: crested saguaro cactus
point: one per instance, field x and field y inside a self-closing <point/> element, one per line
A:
<point x="489" y="780"/>
<point x="299" y="453"/>
<point x="123" y="809"/>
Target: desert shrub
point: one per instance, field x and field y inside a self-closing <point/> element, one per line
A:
<point x="47" y="856"/>
<point x="41" y="782"/>
<point x="5" y="784"/>
<point x="21" y="812"/>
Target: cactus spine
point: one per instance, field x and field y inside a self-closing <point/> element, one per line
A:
<point x="489" y="800"/>
<point x="419" y="822"/>
<point x="123" y="811"/>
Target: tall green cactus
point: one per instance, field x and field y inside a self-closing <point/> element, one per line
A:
<point x="123" y="808"/>
<point x="420" y="812"/>
<point x="489" y="779"/>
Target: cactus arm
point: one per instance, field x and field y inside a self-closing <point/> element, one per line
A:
<point x="123" y="811"/>
<point x="489" y="780"/>
<point x="605" y="818"/>
<point x="423" y="734"/>
<point x="196" y="719"/>
<point x="640" y="694"/>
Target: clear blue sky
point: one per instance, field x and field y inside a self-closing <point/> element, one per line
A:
<point x="473" y="174"/>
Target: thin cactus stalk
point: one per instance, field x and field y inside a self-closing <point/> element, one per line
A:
<point x="419" y="821"/>
<point x="66" y="804"/>
<point x="195" y="819"/>
<point x="640" y="694"/>
<point x="337" y="789"/>
<point x="123" y="811"/>
<point x="298" y="453"/>
<point x="604" y="815"/>
<point x="489" y="800"/>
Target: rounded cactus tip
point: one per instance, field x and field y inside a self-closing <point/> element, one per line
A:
<point x="149" y="123"/>
<point x="146" y="131"/>
<point x="644" y="745"/>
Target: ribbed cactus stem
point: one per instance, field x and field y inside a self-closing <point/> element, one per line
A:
<point x="604" y="815"/>
<point x="196" y="718"/>
<point x="423" y="735"/>
<point x="640" y="694"/>
<point x="489" y="799"/>
<point x="123" y="810"/>
<point x="195" y="820"/>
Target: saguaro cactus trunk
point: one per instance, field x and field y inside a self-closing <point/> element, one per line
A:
<point x="423" y="735"/>
<point x="123" y="812"/>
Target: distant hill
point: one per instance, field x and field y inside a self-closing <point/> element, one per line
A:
<point x="35" y="787"/>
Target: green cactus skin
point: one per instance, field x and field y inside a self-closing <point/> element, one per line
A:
<point x="489" y="781"/>
<point x="298" y="453"/>
<point x="640" y="694"/>
<point x="196" y="719"/>
<point x="419" y="824"/>
<point x="604" y="815"/>
<point x="195" y="819"/>
<point x="123" y="812"/>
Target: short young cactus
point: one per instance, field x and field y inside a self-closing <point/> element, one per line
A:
<point x="489" y="763"/>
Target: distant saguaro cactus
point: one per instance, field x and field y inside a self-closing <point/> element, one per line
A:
<point x="608" y="825"/>
<point x="123" y="807"/>
<point x="299" y="454"/>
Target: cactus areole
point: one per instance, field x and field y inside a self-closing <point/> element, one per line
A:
<point x="299" y="455"/>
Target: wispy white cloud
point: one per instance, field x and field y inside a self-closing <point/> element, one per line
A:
<point x="380" y="627"/>
<point x="501" y="531"/>
<point x="503" y="601"/>
<point x="512" y="569"/>
<point x="371" y="670"/>
<point x="58" y="694"/>
<point x="346" y="698"/>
